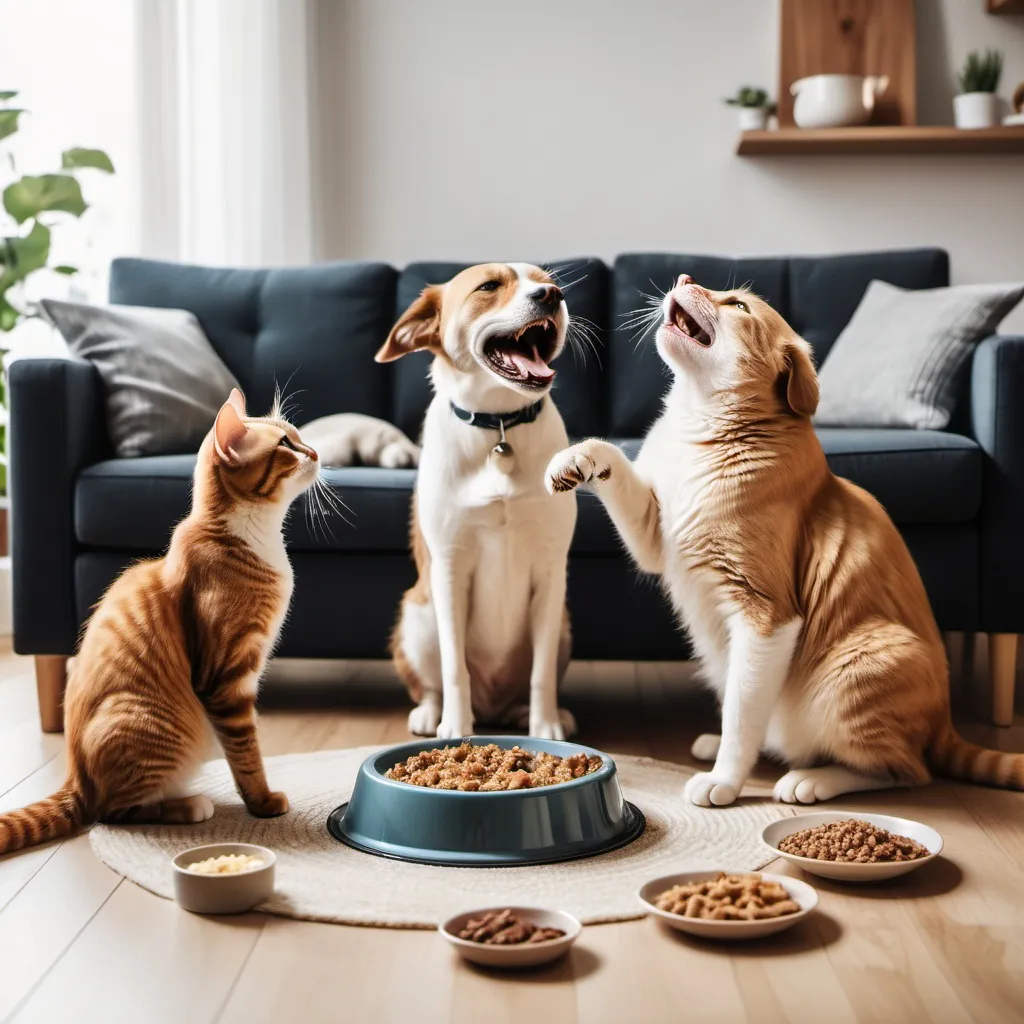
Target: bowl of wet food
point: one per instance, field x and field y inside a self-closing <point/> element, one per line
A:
<point x="487" y="801"/>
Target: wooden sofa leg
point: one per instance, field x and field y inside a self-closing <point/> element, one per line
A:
<point x="51" y="677"/>
<point x="1002" y="659"/>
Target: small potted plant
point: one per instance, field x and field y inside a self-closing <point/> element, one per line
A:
<point x="975" y="105"/>
<point x="754" y="108"/>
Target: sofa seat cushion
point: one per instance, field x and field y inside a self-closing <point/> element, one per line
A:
<point x="134" y="505"/>
<point x="920" y="476"/>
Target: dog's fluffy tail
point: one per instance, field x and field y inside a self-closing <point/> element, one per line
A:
<point x="58" y="816"/>
<point x="952" y="756"/>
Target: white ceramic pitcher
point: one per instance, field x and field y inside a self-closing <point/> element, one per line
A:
<point x="835" y="101"/>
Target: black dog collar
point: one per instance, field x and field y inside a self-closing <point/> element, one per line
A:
<point x="498" y="421"/>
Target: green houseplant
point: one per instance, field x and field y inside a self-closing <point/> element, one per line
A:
<point x="754" y="107"/>
<point x="33" y="206"/>
<point x="975" y="105"/>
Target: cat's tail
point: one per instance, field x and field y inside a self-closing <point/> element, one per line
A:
<point x="57" y="817"/>
<point x="952" y="756"/>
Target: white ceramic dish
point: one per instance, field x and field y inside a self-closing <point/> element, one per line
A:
<point x="844" y="871"/>
<point x="800" y="892"/>
<point x="522" y="955"/>
<point x="223" y="894"/>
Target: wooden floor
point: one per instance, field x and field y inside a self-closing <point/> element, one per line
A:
<point x="78" y="943"/>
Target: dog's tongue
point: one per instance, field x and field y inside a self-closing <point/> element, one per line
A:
<point x="530" y="366"/>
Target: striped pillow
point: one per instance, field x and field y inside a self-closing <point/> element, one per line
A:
<point x="899" y="360"/>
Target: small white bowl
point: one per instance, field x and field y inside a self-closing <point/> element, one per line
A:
<point x="800" y="892"/>
<point x="844" y="871"/>
<point x="523" y="954"/>
<point x="223" y="894"/>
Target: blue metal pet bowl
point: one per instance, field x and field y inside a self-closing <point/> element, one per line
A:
<point x="524" y="826"/>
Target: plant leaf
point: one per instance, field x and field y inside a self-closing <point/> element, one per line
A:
<point x="63" y="268"/>
<point x="78" y="157"/>
<point x="20" y="257"/>
<point x="9" y="316"/>
<point x="9" y="121"/>
<point x="8" y="94"/>
<point x="34" y="195"/>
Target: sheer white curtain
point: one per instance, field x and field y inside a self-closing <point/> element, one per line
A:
<point x="224" y="93"/>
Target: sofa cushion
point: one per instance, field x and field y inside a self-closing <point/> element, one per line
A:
<point x="163" y="381"/>
<point x="579" y="386"/>
<point x="920" y="476"/>
<point x="313" y="330"/>
<point x="824" y="291"/>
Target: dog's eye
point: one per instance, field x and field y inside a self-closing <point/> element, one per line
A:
<point x="738" y="304"/>
<point x="489" y="286"/>
<point x="287" y="444"/>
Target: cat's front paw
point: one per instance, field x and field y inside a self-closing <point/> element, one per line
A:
<point x="578" y="464"/>
<point x="269" y="806"/>
<point x="809" y="785"/>
<point x="705" y="789"/>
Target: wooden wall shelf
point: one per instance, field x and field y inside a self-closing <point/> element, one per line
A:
<point x="1005" y="7"/>
<point x="897" y="139"/>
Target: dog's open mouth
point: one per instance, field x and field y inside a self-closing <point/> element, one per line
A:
<point x="523" y="355"/>
<point x="686" y="324"/>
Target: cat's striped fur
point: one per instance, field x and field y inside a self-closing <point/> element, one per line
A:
<point x="173" y="653"/>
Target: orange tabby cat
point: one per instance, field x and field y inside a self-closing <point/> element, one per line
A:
<point x="178" y="644"/>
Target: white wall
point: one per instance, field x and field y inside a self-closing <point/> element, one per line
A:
<point x="547" y="128"/>
<point x="71" y="63"/>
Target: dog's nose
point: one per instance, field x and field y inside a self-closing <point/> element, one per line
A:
<point x="683" y="279"/>
<point x="547" y="296"/>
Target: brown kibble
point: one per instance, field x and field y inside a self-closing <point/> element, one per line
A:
<point x="728" y="898"/>
<point x="857" y="842"/>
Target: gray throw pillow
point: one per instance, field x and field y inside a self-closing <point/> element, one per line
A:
<point x="164" y="382"/>
<point x="898" y="361"/>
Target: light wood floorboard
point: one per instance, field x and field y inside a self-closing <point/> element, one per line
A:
<point x="945" y="945"/>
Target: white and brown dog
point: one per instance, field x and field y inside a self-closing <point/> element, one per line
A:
<point x="484" y="633"/>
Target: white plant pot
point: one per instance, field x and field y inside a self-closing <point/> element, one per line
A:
<point x="975" y="110"/>
<point x="753" y="119"/>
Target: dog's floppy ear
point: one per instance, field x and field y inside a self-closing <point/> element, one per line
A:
<point x="801" y="380"/>
<point x="418" y="327"/>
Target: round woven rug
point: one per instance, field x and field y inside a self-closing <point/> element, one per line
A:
<point x="323" y="880"/>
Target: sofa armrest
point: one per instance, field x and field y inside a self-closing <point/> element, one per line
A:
<point x="997" y="422"/>
<point x="57" y="427"/>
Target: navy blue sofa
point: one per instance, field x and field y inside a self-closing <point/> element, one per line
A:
<point x="80" y="515"/>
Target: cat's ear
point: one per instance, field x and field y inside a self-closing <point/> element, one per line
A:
<point x="418" y="327"/>
<point x="801" y="380"/>
<point x="237" y="399"/>
<point x="228" y="433"/>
